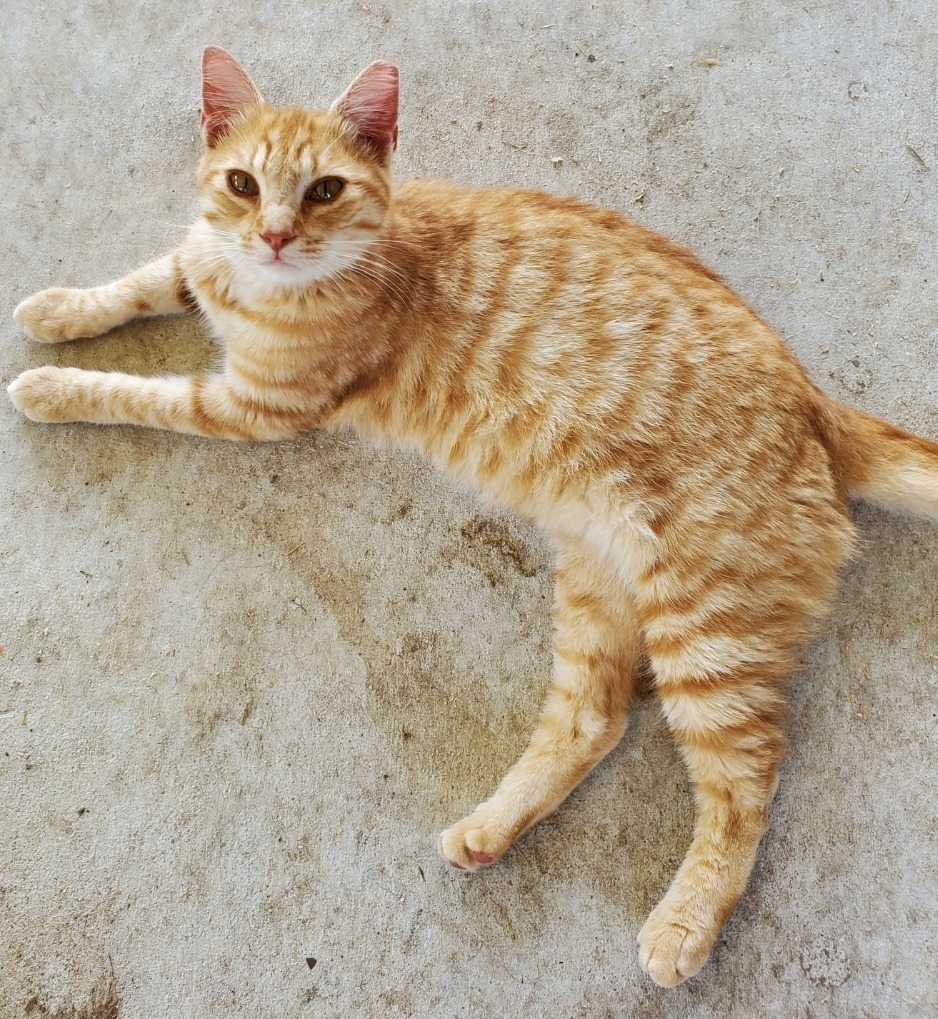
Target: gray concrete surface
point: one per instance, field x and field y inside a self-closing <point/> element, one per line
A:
<point x="242" y="688"/>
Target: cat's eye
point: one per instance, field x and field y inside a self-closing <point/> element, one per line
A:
<point x="243" y="183"/>
<point x="324" y="190"/>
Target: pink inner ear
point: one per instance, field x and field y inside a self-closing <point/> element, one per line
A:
<point x="370" y="105"/>
<point x="227" y="90"/>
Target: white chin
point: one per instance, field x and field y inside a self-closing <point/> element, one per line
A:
<point x="285" y="274"/>
<point x="263" y="274"/>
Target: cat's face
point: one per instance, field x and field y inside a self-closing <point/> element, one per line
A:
<point x="292" y="196"/>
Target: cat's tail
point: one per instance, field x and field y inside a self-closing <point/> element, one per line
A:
<point x="880" y="463"/>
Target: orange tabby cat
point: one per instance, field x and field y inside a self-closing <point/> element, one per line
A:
<point x="577" y="368"/>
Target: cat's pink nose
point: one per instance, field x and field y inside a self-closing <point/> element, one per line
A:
<point x="278" y="240"/>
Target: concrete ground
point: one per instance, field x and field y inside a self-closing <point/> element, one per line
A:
<point x="243" y="687"/>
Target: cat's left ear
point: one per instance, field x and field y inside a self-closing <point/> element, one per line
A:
<point x="227" y="91"/>
<point x="370" y="106"/>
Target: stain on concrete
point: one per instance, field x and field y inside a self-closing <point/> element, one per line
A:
<point x="441" y="742"/>
<point x="104" y="1003"/>
<point x="221" y="681"/>
<point x="824" y="964"/>
<point x="853" y="376"/>
<point x="397" y="1001"/>
<point x="440" y="730"/>
<point x="668" y="106"/>
<point x="495" y="550"/>
<point x="219" y="695"/>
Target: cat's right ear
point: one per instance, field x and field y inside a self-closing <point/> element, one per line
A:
<point x="369" y="104"/>
<point x="227" y="91"/>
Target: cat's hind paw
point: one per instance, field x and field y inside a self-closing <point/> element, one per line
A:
<point x="54" y="316"/>
<point x="470" y="843"/>
<point x="673" y="945"/>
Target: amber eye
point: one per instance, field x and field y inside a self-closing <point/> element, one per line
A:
<point x="242" y="183"/>
<point x="324" y="190"/>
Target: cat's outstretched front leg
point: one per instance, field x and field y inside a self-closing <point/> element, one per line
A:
<point x="597" y="657"/>
<point x="208" y="405"/>
<point x="59" y="314"/>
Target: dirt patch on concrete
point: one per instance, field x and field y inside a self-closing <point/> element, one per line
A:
<point x="104" y="1003"/>
<point x="491" y="547"/>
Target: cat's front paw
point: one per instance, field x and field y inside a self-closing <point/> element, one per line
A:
<point x="473" y="842"/>
<point x="45" y="394"/>
<point x="674" y="943"/>
<point x="53" y="316"/>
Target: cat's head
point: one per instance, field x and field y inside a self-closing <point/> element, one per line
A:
<point x="291" y="196"/>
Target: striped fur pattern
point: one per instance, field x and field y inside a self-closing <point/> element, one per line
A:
<point x="575" y="367"/>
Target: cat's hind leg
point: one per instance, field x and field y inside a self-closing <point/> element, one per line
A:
<point x="729" y="728"/>
<point x="597" y="659"/>
<point x="721" y="646"/>
<point x="726" y="607"/>
<point x="59" y="314"/>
